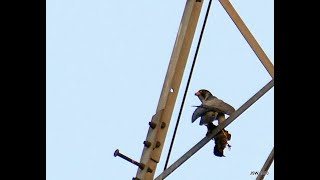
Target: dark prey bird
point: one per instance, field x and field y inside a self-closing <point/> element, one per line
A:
<point x="210" y="108"/>
<point x="220" y="140"/>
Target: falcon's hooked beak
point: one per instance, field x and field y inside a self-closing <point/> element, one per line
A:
<point x="197" y="93"/>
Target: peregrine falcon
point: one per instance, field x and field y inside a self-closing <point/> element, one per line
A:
<point x="210" y="109"/>
<point x="211" y="104"/>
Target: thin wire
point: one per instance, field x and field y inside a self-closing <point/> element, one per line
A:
<point x="187" y="86"/>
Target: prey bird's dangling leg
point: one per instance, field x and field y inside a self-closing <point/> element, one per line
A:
<point x="210" y="127"/>
<point x="229" y="146"/>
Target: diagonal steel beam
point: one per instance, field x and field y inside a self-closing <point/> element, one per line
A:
<point x="260" y="54"/>
<point x="266" y="166"/>
<point x="248" y="36"/>
<point x="221" y="126"/>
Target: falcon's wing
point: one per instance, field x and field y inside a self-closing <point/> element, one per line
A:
<point x="198" y="113"/>
<point x="208" y="117"/>
<point x="219" y="106"/>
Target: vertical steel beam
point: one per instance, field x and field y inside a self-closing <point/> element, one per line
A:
<point x="156" y="136"/>
<point x="248" y="36"/>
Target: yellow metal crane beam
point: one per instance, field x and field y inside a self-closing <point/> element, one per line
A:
<point x="161" y="120"/>
<point x="248" y="36"/>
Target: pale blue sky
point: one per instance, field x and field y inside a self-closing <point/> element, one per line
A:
<point x="106" y="64"/>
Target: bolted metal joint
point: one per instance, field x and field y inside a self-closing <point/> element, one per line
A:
<point x="158" y="144"/>
<point x="152" y="125"/>
<point x="147" y="143"/>
<point x="141" y="166"/>
<point x="149" y="170"/>
<point x="163" y="125"/>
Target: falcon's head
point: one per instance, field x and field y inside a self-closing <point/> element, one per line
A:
<point x="203" y="94"/>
